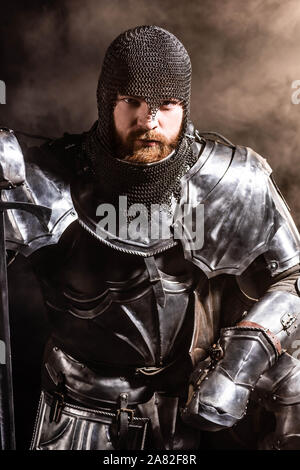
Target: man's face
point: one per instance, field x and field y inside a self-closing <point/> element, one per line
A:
<point x="141" y="137"/>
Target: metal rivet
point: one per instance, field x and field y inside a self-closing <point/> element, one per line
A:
<point x="273" y="265"/>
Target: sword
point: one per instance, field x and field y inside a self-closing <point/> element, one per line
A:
<point x="12" y="174"/>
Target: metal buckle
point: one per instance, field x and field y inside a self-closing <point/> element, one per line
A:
<point x="216" y="352"/>
<point x="287" y="320"/>
<point x="126" y="410"/>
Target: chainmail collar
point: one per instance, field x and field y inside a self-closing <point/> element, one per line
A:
<point x="156" y="183"/>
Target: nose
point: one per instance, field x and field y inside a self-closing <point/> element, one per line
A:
<point x="147" y="118"/>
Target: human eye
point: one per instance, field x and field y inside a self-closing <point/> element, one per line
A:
<point x="131" y="101"/>
<point x="170" y="104"/>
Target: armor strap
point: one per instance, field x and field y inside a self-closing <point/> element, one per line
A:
<point x="125" y="416"/>
<point x="275" y="341"/>
<point x="156" y="281"/>
<point x="58" y="400"/>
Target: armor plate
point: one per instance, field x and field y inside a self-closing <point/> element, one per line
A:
<point x="244" y="215"/>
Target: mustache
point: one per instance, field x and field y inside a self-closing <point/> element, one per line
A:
<point x="147" y="135"/>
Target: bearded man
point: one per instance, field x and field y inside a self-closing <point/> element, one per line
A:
<point x="157" y="338"/>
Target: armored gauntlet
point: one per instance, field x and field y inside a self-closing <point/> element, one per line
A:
<point x="220" y="391"/>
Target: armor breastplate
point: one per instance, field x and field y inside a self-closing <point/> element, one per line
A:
<point x="114" y="308"/>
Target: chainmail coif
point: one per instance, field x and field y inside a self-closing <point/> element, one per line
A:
<point x="151" y="63"/>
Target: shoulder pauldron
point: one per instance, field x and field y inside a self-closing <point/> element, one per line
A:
<point x="25" y="233"/>
<point x="244" y="214"/>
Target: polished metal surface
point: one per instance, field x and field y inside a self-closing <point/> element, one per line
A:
<point x="220" y="399"/>
<point x="283" y="250"/>
<point x="81" y="428"/>
<point x="96" y="295"/>
<point x="12" y="167"/>
<point x="248" y="354"/>
<point x="272" y="311"/>
<point x="244" y="215"/>
<point x="278" y="391"/>
<point x="24" y="232"/>
<point x="93" y="388"/>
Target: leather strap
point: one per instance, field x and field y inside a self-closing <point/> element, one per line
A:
<point x="58" y="399"/>
<point x="124" y="416"/>
<point x="156" y="281"/>
<point x="275" y="341"/>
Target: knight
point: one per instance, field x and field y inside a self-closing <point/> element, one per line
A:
<point x="168" y="327"/>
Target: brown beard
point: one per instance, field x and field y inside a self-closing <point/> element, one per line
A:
<point x="147" y="154"/>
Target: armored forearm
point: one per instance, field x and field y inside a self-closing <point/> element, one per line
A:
<point x="245" y="351"/>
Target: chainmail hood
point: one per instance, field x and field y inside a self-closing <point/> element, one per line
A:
<point x="146" y="61"/>
<point x="151" y="63"/>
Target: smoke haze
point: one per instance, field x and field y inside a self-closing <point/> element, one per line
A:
<point x="244" y="57"/>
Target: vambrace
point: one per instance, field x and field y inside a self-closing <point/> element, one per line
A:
<point x="220" y="389"/>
